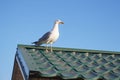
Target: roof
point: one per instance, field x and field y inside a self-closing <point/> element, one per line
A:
<point x="69" y="63"/>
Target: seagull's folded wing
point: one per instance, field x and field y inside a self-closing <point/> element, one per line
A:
<point x="45" y="37"/>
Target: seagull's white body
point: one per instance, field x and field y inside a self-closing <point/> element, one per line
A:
<point x="51" y="36"/>
<point x="54" y="35"/>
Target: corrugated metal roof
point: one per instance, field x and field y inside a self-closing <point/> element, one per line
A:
<point x="69" y="63"/>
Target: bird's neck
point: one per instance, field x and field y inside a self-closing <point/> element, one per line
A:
<point x="55" y="28"/>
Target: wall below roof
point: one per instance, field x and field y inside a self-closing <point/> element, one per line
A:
<point x="16" y="72"/>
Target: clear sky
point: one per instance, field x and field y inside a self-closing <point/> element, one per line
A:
<point x="89" y="24"/>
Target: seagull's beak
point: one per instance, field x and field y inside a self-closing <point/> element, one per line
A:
<point x="61" y="22"/>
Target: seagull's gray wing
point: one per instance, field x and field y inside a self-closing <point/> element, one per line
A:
<point x="44" y="37"/>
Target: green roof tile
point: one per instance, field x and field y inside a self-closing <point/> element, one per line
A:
<point x="69" y="63"/>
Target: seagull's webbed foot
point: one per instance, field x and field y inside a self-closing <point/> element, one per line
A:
<point x="46" y="51"/>
<point x="51" y="50"/>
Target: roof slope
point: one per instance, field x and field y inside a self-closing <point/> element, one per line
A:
<point x="68" y="63"/>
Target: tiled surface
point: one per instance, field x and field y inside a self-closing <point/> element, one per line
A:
<point x="72" y="64"/>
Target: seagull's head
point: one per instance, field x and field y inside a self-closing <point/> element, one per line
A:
<point x="59" y="22"/>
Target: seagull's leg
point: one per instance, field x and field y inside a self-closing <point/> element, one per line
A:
<point x="46" y="47"/>
<point x="51" y="48"/>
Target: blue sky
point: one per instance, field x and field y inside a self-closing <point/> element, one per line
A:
<point x="89" y="24"/>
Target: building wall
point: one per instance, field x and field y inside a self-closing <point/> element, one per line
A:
<point x="16" y="72"/>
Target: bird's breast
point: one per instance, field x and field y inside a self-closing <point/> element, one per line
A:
<point x="54" y="36"/>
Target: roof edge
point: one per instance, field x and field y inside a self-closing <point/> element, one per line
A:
<point x="69" y="49"/>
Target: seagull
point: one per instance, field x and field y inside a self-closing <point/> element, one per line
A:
<point x="50" y="37"/>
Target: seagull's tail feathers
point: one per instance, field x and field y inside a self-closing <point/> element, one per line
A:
<point x="36" y="43"/>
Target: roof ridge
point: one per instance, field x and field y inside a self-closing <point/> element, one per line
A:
<point x="70" y="49"/>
